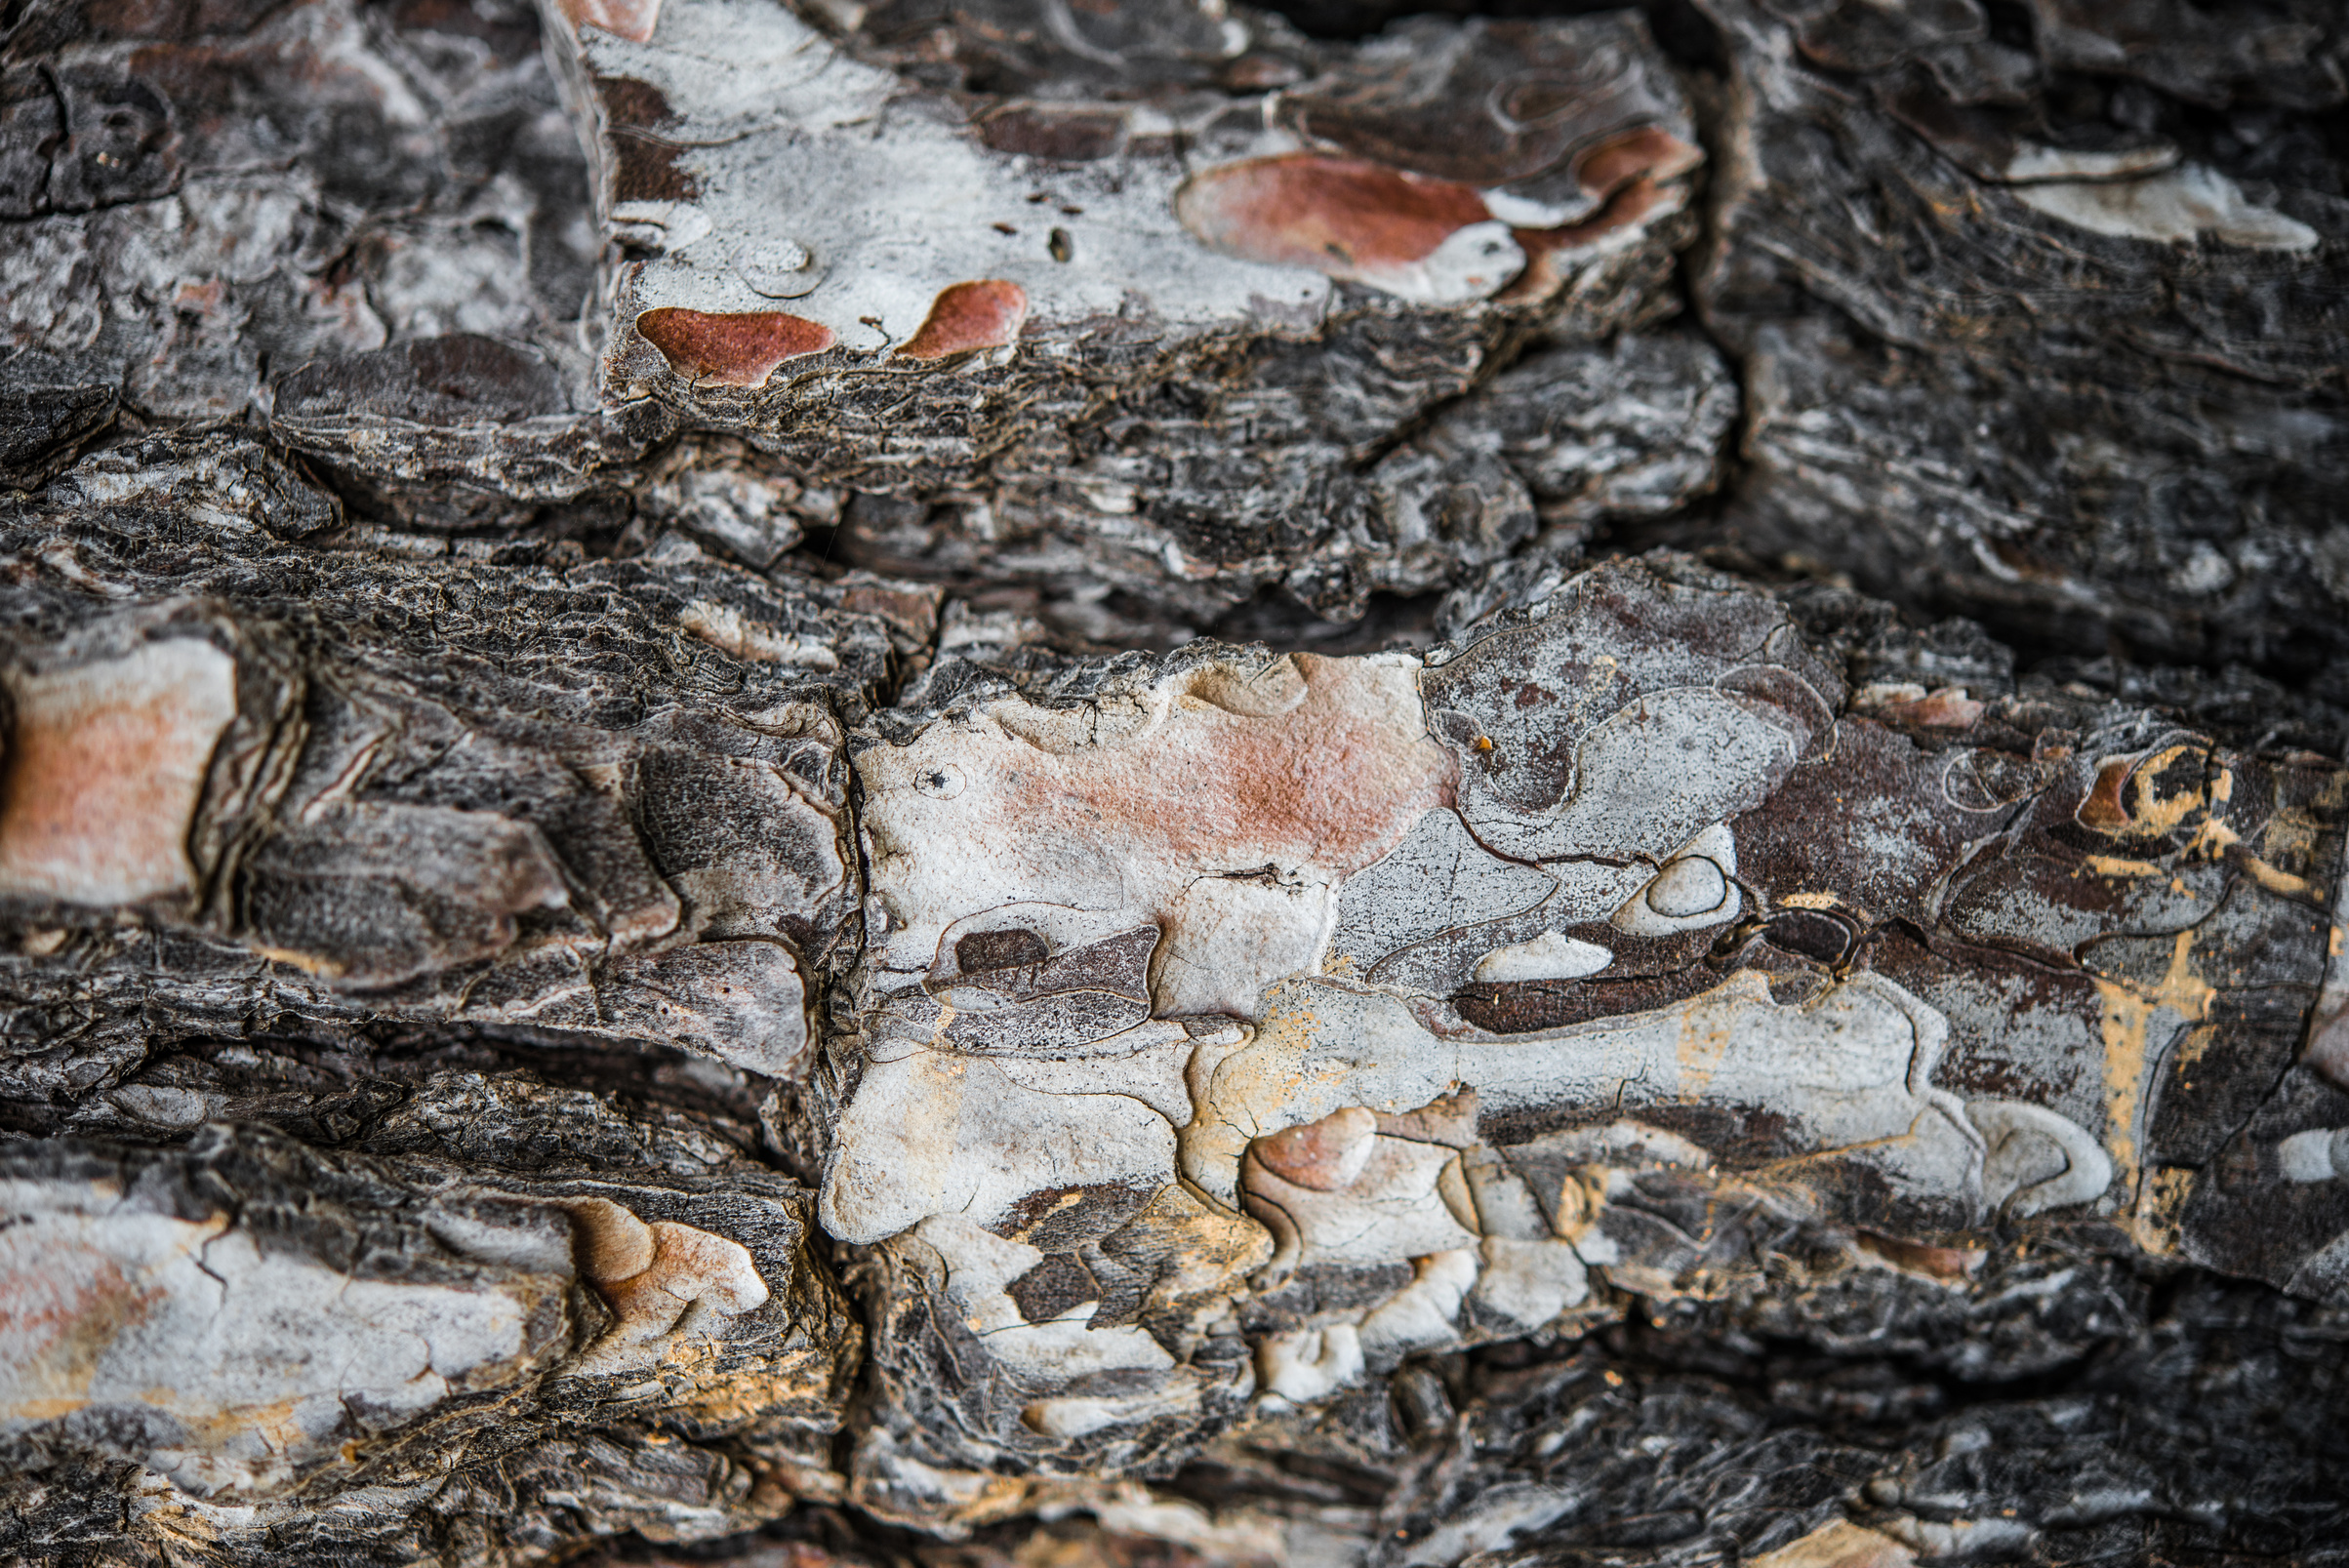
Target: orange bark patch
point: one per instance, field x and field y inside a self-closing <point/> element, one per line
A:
<point x="734" y="348"/>
<point x="106" y="764"/>
<point x="633" y="19"/>
<point x="1340" y="215"/>
<point x="986" y="314"/>
<point x="1946" y="708"/>
<point x="1923" y="1258"/>
<point x="2104" y="810"/>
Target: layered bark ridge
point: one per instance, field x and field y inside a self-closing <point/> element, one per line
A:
<point x="442" y="1030"/>
<point x="602" y="953"/>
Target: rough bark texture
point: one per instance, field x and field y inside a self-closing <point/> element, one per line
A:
<point x="1039" y="785"/>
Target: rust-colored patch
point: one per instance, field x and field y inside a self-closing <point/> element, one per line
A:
<point x="984" y="950"/>
<point x="1323" y="1156"/>
<point x="1651" y="151"/>
<point x="986" y="314"/>
<point x="646" y="169"/>
<point x="633" y="19"/>
<point x="1345" y="216"/>
<point x="733" y="349"/>
<point x="1546" y="248"/>
<point x="63" y="1308"/>
<point x="1189" y="805"/>
<point x="1946" y="707"/>
<point x="1324" y="780"/>
<point x="106" y="764"/>
<point x="2103" y="809"/>
<point x="1922" y="1258"/>
<point x="911" y="611"/>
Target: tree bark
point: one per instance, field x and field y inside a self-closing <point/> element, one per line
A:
<point x="1150" y="783"/>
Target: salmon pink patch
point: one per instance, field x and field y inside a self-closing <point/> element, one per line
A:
<point x="986" y="314"/>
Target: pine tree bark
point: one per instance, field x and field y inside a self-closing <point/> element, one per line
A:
<point x="1137" y="784"/>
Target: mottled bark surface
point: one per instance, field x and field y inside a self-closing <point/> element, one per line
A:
<point x="1042" y="784"/>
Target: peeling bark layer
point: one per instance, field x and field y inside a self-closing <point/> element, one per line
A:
<point x="1202" y="1036"/>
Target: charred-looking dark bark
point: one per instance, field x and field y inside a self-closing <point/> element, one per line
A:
<point x="1143" y="782"/>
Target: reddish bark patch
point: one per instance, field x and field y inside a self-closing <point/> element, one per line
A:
<point x="1649" y="150"/>
<point x="633" y="19"/>
<point x="986" y="314"/>
<point x="635" y="105"/>
<point x="1922" y="1258"/>
<point x="1546" y="248"/>
<point x="1946" y="708"/>
<point x="1341" y="215"/>
<point x="646" y="169"/>
<point x="733" y="349"/>
<point x="1323" y="1156"/>
<point x="105" y="766"/>
<point x="2105" y="809"/>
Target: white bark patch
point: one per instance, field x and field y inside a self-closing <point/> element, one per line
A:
<point x="1424" y="1314"/>
<point x="979" y="1266"/>
<point x="686" y="1282"/>
<point x="1308" y="1364"/>
<point x="938" y="1132"/>
<point x="2036" y="164"/>
<point x="2036" y="1158"/>
<point x="241" y="1363"/>
<point x="1222" y="805"/>
<point x="1548" y="956"/>
<point x="105" y="765"/>
<point x="1850" y="1068"/>
<point x="903" y="203"/>
<point x="2309" y="1157"/>
<point x="1531" y="1282"/>
<point x="2193" y="201"/>
<point x="724" y="627"/>
<point x="1690" y="891"/>
<point x="1391" y="1211"/>
<point x="1495" y="1518"/>
<point x="1437" y="879"/>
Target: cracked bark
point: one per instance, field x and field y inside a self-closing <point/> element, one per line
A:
<point x="916" y="784"/>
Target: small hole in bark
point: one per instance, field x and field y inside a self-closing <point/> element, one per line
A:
<point x="1812" y="935"/>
